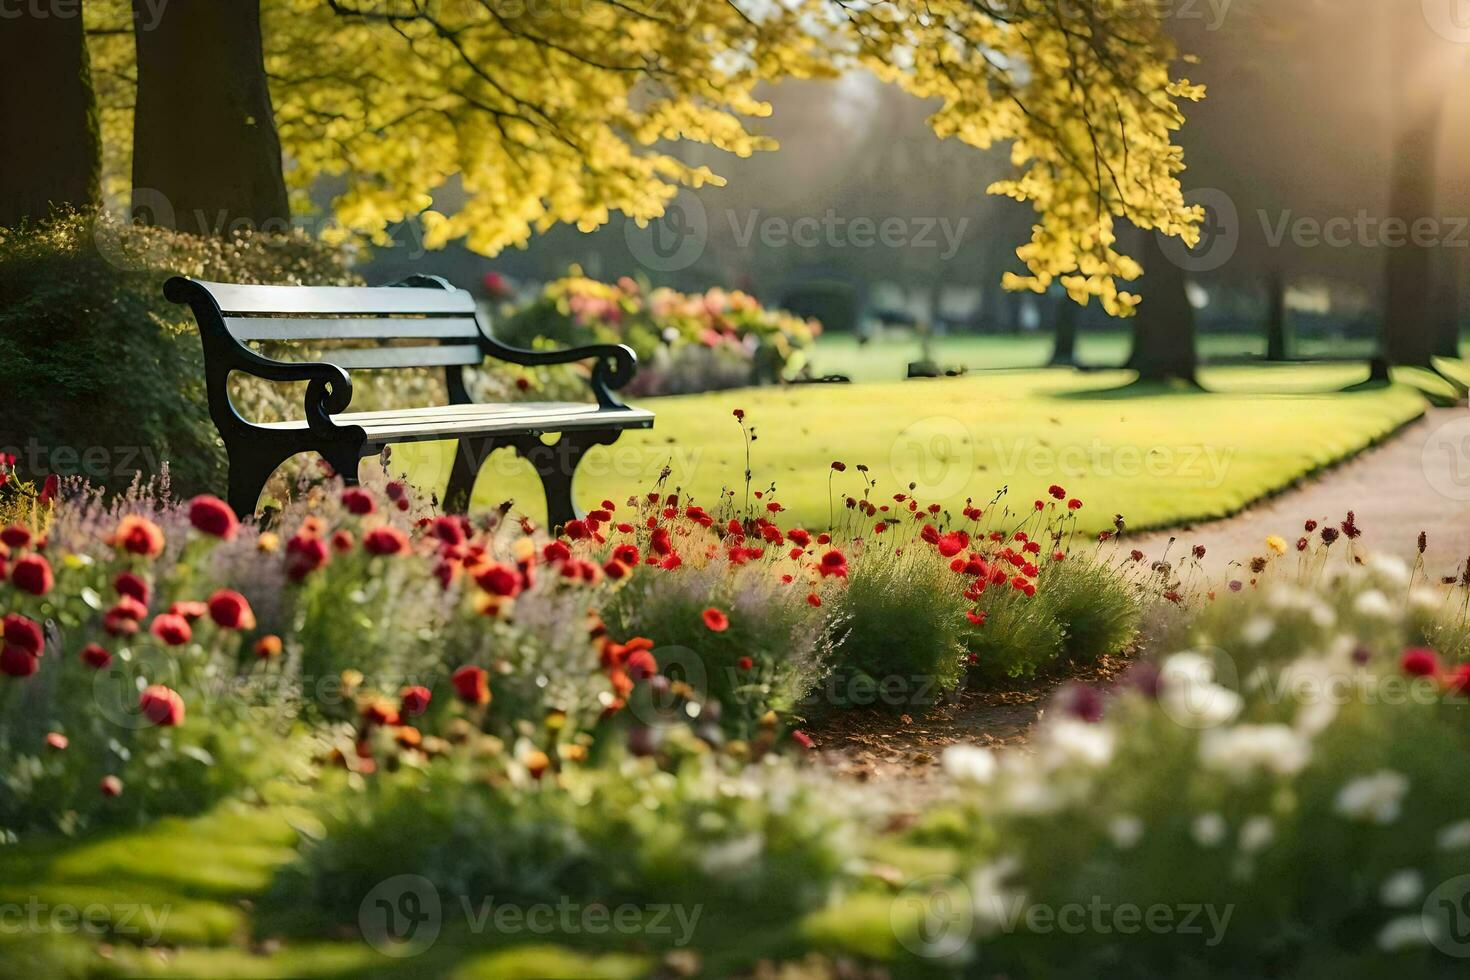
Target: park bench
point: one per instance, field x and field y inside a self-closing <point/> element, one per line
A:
<point x="422" y="322"/>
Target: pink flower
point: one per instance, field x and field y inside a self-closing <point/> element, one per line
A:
<point x="385" y="540"/>
<point x="231" y="611"/>
<point x="172" y="629"/>
<point x="212" y="516"/>
<point x="162" y="706"/>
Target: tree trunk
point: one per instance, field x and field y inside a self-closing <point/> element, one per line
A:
<point x="1064" y="348"/>
<point x="1447" y="304"/>
<point x="1163" y="326"/>
<point x="1276" y="316"/>
<point x="206" y="158"/>
<point x="51" y="150"/>
<point x="1408" y="330"/>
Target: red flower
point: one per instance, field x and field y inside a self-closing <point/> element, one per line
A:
<point x="49" y="489"/>
<point x="385" y="540"/>
<point x="138" y="536"/>
<point x="472" y="684"/>
<point x="358" y="501"/>
<point x="839" y="466"/>
<point x="615" y="569"/>
<point x="739" y="413"/>
<point x="833" y="562"/>
<point x="803" y="739"/>
<point x="130" y="584"/>
<point x="640" y="664"/>
<point x="714" y="620"/>
<point x="953" y="543"/>
<point x="1074" y="504"/>
<point x="496" y="285"/>
<point x="342" y="541"/>
<point x="976" y="617"/>
<point x="189" y="610"/>
<point x="745" y="663"/>
<point x="1459" y="680"/>
<point x="57" y="741"/>
<point x="626" y="553"/>
<point x="268" y="647"/>
<point x="379" y="712"/>
<point x="231" y="611"/>
<point x="659" y="542"/>
<point x="123" y="618"/>
<point x="304" y="555"/>
<point x="212" y="516"/>
<point x="813" y="600"/>
<point x="32" y="574"/>
<point x="24" y="633"/>
<point x="15" y="536"/>
<point x="110" y="786"/>
<point x="449" y="530"/>
<point x="414" y="701"/>
<point x="1419" y="662"/>
<point x="1056" y="491"/>
<point x="162" y="706"/>
<point x="17" y="662"/>
<point x="95" y="656"/>
<point x="556" y="551"/>
<point x="172" y="629"/>
<point x="499" y="579"/>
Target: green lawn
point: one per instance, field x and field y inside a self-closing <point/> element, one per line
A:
<point x="885" y="358"/>
<point x="195" y="898"/>
<point x="1159" y="457"/>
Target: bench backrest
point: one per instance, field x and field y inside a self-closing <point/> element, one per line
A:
<point x="438" y="321"/>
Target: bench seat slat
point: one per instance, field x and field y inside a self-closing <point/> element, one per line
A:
<point x="366" y="300"/>
<point x="377" y="358"/>
<point x="418" y="425"/>
<point x="244" y="328"/>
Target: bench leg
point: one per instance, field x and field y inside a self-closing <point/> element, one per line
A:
<point x="250" y="468"/>
<point x="557" y="464"/>
<point x="469" y="456"/>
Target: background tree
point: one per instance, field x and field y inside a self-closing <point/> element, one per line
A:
<point x="50" y="153"/>
<point x="206" y="158"/>
<point x="524" y="116"/>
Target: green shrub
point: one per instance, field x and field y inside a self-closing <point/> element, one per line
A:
<point x="105" y="377"/>
<point x="786" y="640"/>
<point x="1020" y="636"/>
<point x="763" y="842"/>
<point x="1096" y="607"/>
<point x="901" y="624"/>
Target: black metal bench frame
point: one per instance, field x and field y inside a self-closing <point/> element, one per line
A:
<point x="454" y="337"/>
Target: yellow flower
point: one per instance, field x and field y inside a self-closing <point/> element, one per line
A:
<point x="1276" y="544"/>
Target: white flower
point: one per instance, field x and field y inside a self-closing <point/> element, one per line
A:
<point x="732" y="858"/>
<point x="1072" y="740"/>
<point x="1390" y="568"/>
<point x="1376" y="798"/>
<point x="1402" y="888"/>
<point x="1257" y="630"/>
<point x="1257" y="833"/>
<point x="1240" y="751"/>
<point x="1454" y="837"/>
<point x="994" y="904"/>
<point x="1190" y="696"/>
<point x="1373" y="605"/>
<point x="1125" y="830"/>
<point x="968" y="763"/>
<point x="1406" y="932"/>
<point x="1426" y="600"/>
<point x="1208" y="829"/>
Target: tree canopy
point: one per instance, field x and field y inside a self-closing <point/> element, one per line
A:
<point x="492" y="119"/>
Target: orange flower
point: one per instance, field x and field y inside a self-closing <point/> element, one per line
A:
<point x="139" y="536"/>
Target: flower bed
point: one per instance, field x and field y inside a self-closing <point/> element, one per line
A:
<point x="685" y="343"/>
<point x="614" y="718"/>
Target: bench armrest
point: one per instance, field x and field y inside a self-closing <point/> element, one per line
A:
<point x="614" y="364"/>
<point x="328" y="388"/>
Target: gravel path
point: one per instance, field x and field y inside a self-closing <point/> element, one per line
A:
<point x="1419" y="480"/>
